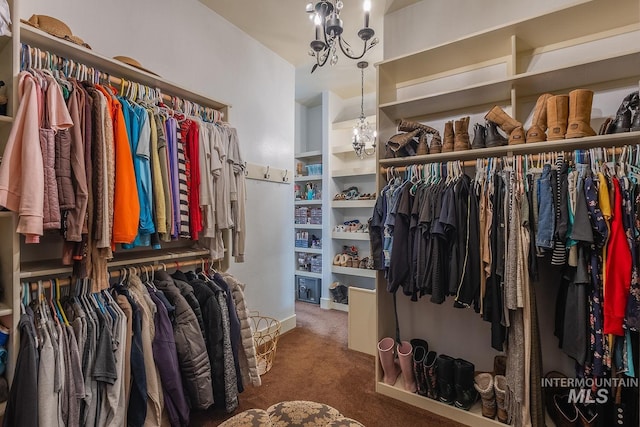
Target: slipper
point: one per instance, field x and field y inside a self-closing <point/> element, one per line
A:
<point x="337" y="259"/>
<point x="344" y="259"/>
<point x="339" y="196"/>
<point x="363" y="262"/>
<point x="355" y="262"/>
<point x="339" y="229"/>
<point x="349" y="262"/>
<point x="354" y="227"/>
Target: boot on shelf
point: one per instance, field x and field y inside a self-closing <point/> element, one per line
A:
<point x="402" y="140"/>
<point x="635" y="123"/>
<point x="479" y="136"/>
<point x="461" y="134"/>
<point x="343" y="290"/>
<point x="423" y="147"/>
<point x="390" y="368"/>
<point x="579" y="123"/>
<point x="446" y="379"/>
<point x="500" y="387"/>
<point x="436" y="144"/>
<point x="407" y="126"/>
<point x="623" y="120"/>
<point x="420" y="350"/>
<point x="466" y="394"/>
<point x="431" y="374"/>
<point x="536" y="132"/>
<point x="447" y="143"/>
<point x="493" y="138"/>
<point x="508" y="124"/>
<point x="405" y="357"/>
<point x="484" y="387"/>
<point x="557" y="116"/>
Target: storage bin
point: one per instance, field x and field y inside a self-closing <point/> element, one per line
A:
<point x="308" y="289"/>
<point x="315" y="169"/>
<point x="266" y="332"/>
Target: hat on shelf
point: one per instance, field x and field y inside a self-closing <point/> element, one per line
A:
<point x="130" y="61"/>
<point x="55" y="27"/>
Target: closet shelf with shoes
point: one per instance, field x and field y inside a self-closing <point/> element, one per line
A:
<point x="352" y="271"/>
<point x="353" y="203"/>
<point x="516" y="91"/>
<point x="349" y="235"/>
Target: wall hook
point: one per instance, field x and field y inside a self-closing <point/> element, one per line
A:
<point x="266" y="174"/>
<point x="284" y="177"/>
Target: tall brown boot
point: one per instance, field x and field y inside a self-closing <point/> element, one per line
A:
<point x="580" y="114"/>
<point x="536" y="132"/>
<point x="400" y="140"/>
<point x="502" y="119"/>
<point x="436" y="144"/>
<point x="448" y="144"/>
<point x="461" y="134"/>
<point x="407" y="126"/>
<point x="423" y="147"/>
<point x="557" y="116"/>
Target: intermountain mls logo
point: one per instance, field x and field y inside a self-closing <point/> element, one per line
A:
<point x="589" y="390"/>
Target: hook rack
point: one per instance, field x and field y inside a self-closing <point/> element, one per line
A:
<point x="267" y="173"/>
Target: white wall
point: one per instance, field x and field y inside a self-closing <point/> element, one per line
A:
<point x="432" y="22"/>
<point x="187" y="43"/>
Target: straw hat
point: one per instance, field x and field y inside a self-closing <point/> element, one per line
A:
<point x="130" y="61"/>
<point x="55" y="27"/>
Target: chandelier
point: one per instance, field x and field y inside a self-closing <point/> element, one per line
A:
<point x="326" y="17"/>
<point x="364" y="136"/>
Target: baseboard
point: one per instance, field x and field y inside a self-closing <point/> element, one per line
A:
<point x="287" y="324"/>
<point x="327" y="304"/>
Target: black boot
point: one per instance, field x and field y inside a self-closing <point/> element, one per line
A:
<point x="635" y="123"/>
<point x="420" y="350"/>
<point x="479" y="133"/>
<point x="431" y="374"/>
<point x="493" y="138"/>
<point x="446" y="379"/>
<point x="622" y="122"/>
<point x="466" y="394"/>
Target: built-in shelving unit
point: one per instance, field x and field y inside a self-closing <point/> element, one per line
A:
<point x="353" y="204"/>
<point x="352" y="271"/>
<point x="339" y="235"/>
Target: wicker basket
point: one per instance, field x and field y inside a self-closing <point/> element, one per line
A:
<point x="266" y="331"/>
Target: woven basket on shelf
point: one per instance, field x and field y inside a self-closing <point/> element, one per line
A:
<point x="266" y="331"/>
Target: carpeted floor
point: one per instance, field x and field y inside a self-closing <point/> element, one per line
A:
<point x="314" y="363"/>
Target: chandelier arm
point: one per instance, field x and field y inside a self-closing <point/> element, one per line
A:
<point x="324" y="61"/>
<point x="349" y="56"/>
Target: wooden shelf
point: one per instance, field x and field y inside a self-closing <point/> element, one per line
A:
<point x="618" y="139"/>
<point x="42" y="40"/>
<point x="309" y="226"/>
<point x="308" y="154"/>
<point x="353" y="203"/>
<point x="343" y="149"/>
<point x="121" y="258"/>
<point x="350" y="123"/>
<point x="308" y="250"/>
<point x="309" y="274"/>
<point x="307" y="202"/>
<point x="349" y="235"/>
<point x="308" y="178"/>
<point x="348" y="173"/>
<point x="361" y="272"/>
<point x="5" y="310"/>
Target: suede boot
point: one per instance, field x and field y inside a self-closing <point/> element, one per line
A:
<point x="635" y="123"/>
<point x="405" y="357"/>
<point x="448" y="144"/>
<point x="400" y="140"/>
<point x="431" y="374"/>
<point x="557" y="116"/>
<point x="493" y="137"/>
<point x="407" y="126"/>
<point x="436" y="144"/>
<point x="622" y="122"/>
<point x="420" y="350"/>
<point x="466" y="394"/>
<point x="479" y="135"/>
<point x="423" y="147"/>
<point x="580" y="101"/>
<point x="484" y="387"/>
<point x="502" y="119"/>
<point x="516" y="137"/>
<point x="461" y="134"/>
<point x="390" y="369"/>
<point x="500" y="387"/>
<point x="536" y="132"/>
<point x="446" y="379"/>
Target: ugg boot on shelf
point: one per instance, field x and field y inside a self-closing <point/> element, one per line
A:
<point x="479" y="135"/>
<point x="423" y="147"/>
<point x="420" y="350"/>
<point x="387" y="359"/>
<point x="580" y="101"/>
<point x="493" y="138"/>
<point x="436" y="144"/>
<point x="431" y="375"/>
<point x="446" y="379"/>
<point x="500" y="387"/>
<point x="447" y="143"/>
<point x="508" y="124"/>
<point x="466" y="394"/>
<point x="461" y="134"/>
<point x="536" y="132"/>
<point x="557" y="116"/>
<point x="484" y="387"/>
<point x="405" y="357"/>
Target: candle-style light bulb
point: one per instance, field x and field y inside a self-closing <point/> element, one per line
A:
<point x="317" y="21"/>
<point x="367" y="8"/>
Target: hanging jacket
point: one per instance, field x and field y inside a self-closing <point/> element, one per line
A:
<point x="187" y="292"/>
<point x="192" y="352"/>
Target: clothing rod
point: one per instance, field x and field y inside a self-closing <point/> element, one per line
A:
<point x="471" y="163"/>
<point x="117" y="271"/>
<point x="53" y="60"/>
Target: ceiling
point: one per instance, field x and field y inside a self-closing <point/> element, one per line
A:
<point x="284" y="27"/>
